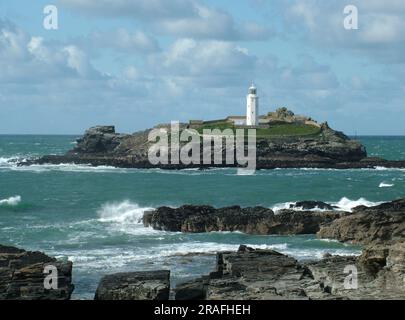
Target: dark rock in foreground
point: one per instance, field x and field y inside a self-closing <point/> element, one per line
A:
<point x="250" y="274"/>
<point x="192" y="290"/>
<point x="381" y="224"/>
<point x="22" y="276"/>
<point x="257" y="220"/>
<point x="148" y="285"/>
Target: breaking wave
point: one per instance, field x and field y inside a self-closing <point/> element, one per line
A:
<point x="121" y="212"/>
<point x="10" y="161"/>
<point x="385" y="185"/>
<point x="344" y="204"/>
<point x="12" y="201"/>
<point x="68" y="167"/>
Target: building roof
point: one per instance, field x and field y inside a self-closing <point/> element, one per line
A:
<point x="236" y="117"/>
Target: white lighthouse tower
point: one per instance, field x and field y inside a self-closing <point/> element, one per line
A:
<point x="252" y="107"/>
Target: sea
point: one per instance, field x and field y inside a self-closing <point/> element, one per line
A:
<point x="92" y="215"/>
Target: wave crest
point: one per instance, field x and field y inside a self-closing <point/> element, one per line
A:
<point x="344" y="204"/>
<point x="385" y="185"/>
<point x="12" y="201"/>
<point x="121" y="212"/>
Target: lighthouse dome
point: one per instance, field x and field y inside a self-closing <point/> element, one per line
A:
<point x="252" y="89"/>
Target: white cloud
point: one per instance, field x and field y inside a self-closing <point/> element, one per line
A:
<point x="77" y="60"/>
<point x="12" y="41"/>
<point x="181" y="18"/>
<point x="380" y="35"/>
<point x="208" y="63"/>
<point x="213" y="24"/>
<point x="383" y="29"/>
<point x="307" y="74"/>
<point x="122" y="40"/>
<point x="139" y="9"/>
<point x="25" y="58"/>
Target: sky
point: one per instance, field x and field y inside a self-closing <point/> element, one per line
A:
<point x="137" y="63"/>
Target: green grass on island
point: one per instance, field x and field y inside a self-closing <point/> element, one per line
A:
<point x="275" y="130"/>
<point x="289" y="129"/>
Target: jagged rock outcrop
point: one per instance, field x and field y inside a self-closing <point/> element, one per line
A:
<point x="98" y="140"/>
<point x="22" y="276"/>
<point x="257" y="220"/>
<point x="381" y="229"/>
<point x="250" y="274"/>
<point x="382" y="224"/>
<point x="147" y="285"/>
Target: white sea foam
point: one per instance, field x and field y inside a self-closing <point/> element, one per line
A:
<point x="344" y="204"/>
<point x="69" y="167"/>
<point x="122" y="212"/>
<point x="329" y="240"/>
<point x="9" y="161"/>
<point x="12" y="201"/>
<point x="317" y="254"/>
<point x="291" y="206"/>
<point x="116" y="258"/>
<point x="387" y="169"/>
<point x="385" y="185"/>
<point x="283" y="205"/>
<point x="113" y="258"/>
<point x="210" y="248"/>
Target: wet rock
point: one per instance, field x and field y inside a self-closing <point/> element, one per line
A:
<point x="381" y="224"/>
<point x="147" y="285"/>
<point x="22" y="276"/>
<point x="192" y="290"/>
<point x="257" y="220"/>
<point x="250" y="274"/>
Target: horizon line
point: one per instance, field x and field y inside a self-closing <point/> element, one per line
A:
<point x="81" y="134"/>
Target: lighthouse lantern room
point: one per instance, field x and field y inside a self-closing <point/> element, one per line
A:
<point x="252" y="107"/>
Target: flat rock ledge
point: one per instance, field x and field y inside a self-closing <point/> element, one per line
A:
<point x="22" y="276"/>
<point x="250" y="274"/>
<point x="147" y="285"/>
<point x="257" y="220"/>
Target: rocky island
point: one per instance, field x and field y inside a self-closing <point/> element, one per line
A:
<point x="283" y="140"/>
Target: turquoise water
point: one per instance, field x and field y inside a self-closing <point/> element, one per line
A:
<point x="91" y="215"/>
